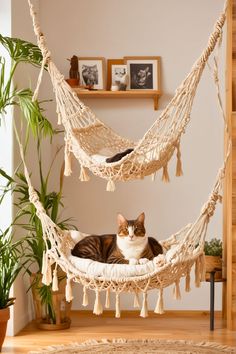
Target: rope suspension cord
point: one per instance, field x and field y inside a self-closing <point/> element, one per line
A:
<point x="86" y="135"/>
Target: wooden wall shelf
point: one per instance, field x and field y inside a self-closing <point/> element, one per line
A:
<point x="120" y="94"/>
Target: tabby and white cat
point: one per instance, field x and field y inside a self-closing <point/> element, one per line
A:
<point x="131" y="245"/>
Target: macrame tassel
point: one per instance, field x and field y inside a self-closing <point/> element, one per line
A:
<point x="160" y="303"/>
<point x="55" y="280"/>
<point x="117" y="305"/>
<point x="144" y="310"/>
<point x="202" y="267"/>
<point x="59" y="120"/>
<point x="44" y="263"/>
<point x="68" y="160"/>
<point x="85" y="296"/>
<point x="187" y="282"/>
<point x="84" y="176"/>
<point x="179" y="171"/>
<point x="69" y="295"/>
<point x="107" y="303"/>
<point x="97" y="310"/>
<point x="197" y="273"/>
<point x="165" y="175"/>
<point x="177" y="294"/>
<point x="136" y="300"/>
<point x="111" y="186"/>
<point x="47" y="274"/>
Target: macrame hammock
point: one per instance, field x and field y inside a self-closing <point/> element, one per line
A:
<point x="85" y="135"/>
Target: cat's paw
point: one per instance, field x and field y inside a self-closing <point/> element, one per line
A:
<point x="143" y="260"/>
<point x="133" y="261"/>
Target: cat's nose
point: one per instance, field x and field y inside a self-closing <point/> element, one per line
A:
<point x="131" y="237"/>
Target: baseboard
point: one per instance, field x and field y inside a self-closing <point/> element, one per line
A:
<point x="133" y="313"/>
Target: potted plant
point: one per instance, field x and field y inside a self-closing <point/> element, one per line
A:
<point x="213" y="258"/>
<point x="51" y="308"/>
<point x="22" y="51"/>
<point x="11" y="253"/>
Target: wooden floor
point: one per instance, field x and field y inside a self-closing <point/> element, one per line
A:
<point x="172" y="325"/>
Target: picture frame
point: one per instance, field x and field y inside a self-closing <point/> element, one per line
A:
<point x="143" y="73"/>
<point x="116" y="69"/>
<point x="92" y="72"/>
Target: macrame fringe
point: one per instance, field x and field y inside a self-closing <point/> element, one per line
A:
<point x="136" y="300"/>
<point x="179" y="171"/>
<point x="47" y="271"/>
<point x="44" y="263"/>
<point x="187" y="282"/>
<point x="55" y="280"/>
<point x="117" y="305"/>
<point x="177" y="294"/>
<point x="59" y="120"/>
<point x="197" y="273"/>
<point x="68" y="163"/>
<point x="160" y="303"/>
<point x="153" y="176"/>
<point x="165" y="175"/>
<point x="84" y="176"/>
<point x="202" y="266"/>
<point x="85" y="296"/>
<point x="144" y="310"/>
<point x="69" y="295"/>
<point x="107" y="302"/>
<point x="97" y="310"/>
<point x="111" y="186"/>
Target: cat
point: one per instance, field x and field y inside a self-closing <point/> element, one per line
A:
<point x="118" y="156"/>
<point x="131" y="245"/>
<point x="90" y="74"/>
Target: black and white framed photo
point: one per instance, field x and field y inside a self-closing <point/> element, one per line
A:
<point x="116" y="74"/>
<point x="143" y="73"/>
<point x="91" y="71"/>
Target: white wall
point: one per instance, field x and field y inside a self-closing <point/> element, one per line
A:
<point x="177" y="31"/>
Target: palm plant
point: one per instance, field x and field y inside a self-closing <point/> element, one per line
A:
<point x="21" y="51"/>
<point x="11" y="254"/>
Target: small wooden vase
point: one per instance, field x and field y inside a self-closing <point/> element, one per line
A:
<point x="4" y="317"/>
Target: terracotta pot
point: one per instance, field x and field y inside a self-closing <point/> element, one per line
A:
<point x="4" y="317"/>
<point x="61" y="306"/>
<point x="73" y="82"/>
<point x="213" y="264"/>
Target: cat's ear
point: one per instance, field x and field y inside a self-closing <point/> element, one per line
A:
<point x="141" y="218"/>
<point x="121" y="219"/>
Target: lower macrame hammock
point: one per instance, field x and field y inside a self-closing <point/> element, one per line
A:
<point x="86" y="136"/>
<point x="182" y="250"/>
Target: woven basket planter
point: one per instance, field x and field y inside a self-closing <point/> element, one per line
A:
<point x="61" y="306"/>
<point x="213" y="264"/>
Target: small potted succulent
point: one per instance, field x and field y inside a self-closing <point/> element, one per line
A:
<point x="213" y="258"/>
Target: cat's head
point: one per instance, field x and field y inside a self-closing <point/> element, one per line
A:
<point x="131" y="230"/>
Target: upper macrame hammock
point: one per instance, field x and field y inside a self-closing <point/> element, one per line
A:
<point x="86" y="136"/>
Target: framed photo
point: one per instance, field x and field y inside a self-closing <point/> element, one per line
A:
<point x="92" y="72"/>
<point x="143" y="73"/>
<point x="116" y="71"/>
